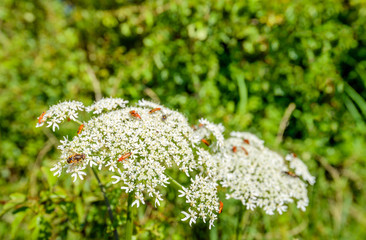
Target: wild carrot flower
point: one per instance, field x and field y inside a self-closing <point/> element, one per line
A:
<point x="59" y="112"/>
<point x="107" y="104"/>
<point x="201" y="195"/>
<point x="299" y="168"/>
<point x="139" y="151"/>
<point x="209" y="130"/>
<point x="259" y="177"/>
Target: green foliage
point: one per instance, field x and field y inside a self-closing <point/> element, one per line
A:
<point x="237" y="62"/>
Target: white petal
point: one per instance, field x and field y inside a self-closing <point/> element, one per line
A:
<point x="182" y="193"/>
<point x="157" y="202"/>
<point x="136" y="202"/>
<point x="54" y="126"/>
<point x="192" y="220"/>
<point x="74" y="175"/>
<point x="187" y="216"/>
<point x="211" y="224"/>
<point x="81" y="175"/>
<point x="117" y="179"/>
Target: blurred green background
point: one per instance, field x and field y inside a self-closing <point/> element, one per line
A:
<point x="292" y="72"/>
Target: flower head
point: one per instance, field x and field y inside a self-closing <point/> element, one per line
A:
<point x="106" y="104"/>
<point x="138" y="151"/>
<point x="59" y="112"/>
<point x="202" y="196"/>
<point x="207" y="129"/>
<point x="257" y="177"/>
<point x="300" y="168"/>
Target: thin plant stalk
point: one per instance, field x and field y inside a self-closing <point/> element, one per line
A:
<point x="115" y="233"/>
<point x="173" y="180"/>
<point x="78" y="122"/>
<point x="129" y="223"/>
<point x="239" y="228"/>
<point x="214" y="234"/>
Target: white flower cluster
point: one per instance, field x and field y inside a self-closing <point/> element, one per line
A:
<point x="205" y="129"/>
<point x="59" y="112"/>
<point x="251" y="138"/>
<point x="140" y="145"/>
<point x="107" y="104"/>
<point x="259" y="177"/>
<point x="300" y="168"/>
<point x="201" y="195"/>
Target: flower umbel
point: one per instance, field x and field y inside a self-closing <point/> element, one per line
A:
<point x="139" y="151"/>
<point x="205" y="129"/>
<point x="139" y="145"/>
<point x="107" y="104"/>
<point x="257" y="176"/>
<point x="59" y="112"/>
<point x="202" y="196"/>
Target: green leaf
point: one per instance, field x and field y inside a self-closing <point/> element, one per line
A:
<point x="361" y="103"/>
<point x="15" y="199"/>
<point x="361" y="70"/>
<point x="49" y="176"/>
<point x="20" y="209"/>
<point x="15" y="224"/>
<point x="238" y="74"/>
<point x="9" y="205"/>
<point x="18" y="197"/>
<point x="80" y="209"/>
<point x="352" y="108"/>
<point x="36" y="226"/>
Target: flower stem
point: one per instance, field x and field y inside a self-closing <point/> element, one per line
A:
<point x="239" y="227"/>
<point x="175" y="182"/>
<point x="106" y="203"/>
<point x="77" y="121"/>
<point x="129" y="223"/>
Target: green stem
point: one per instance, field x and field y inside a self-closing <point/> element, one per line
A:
<point x="107" y="204"/>
<point x="239" y="227"/>
<point x="77" y="121"/>
<point x="175" y="182"/>
<point x="213" y="234"/>
<point x="129" y="223"/>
